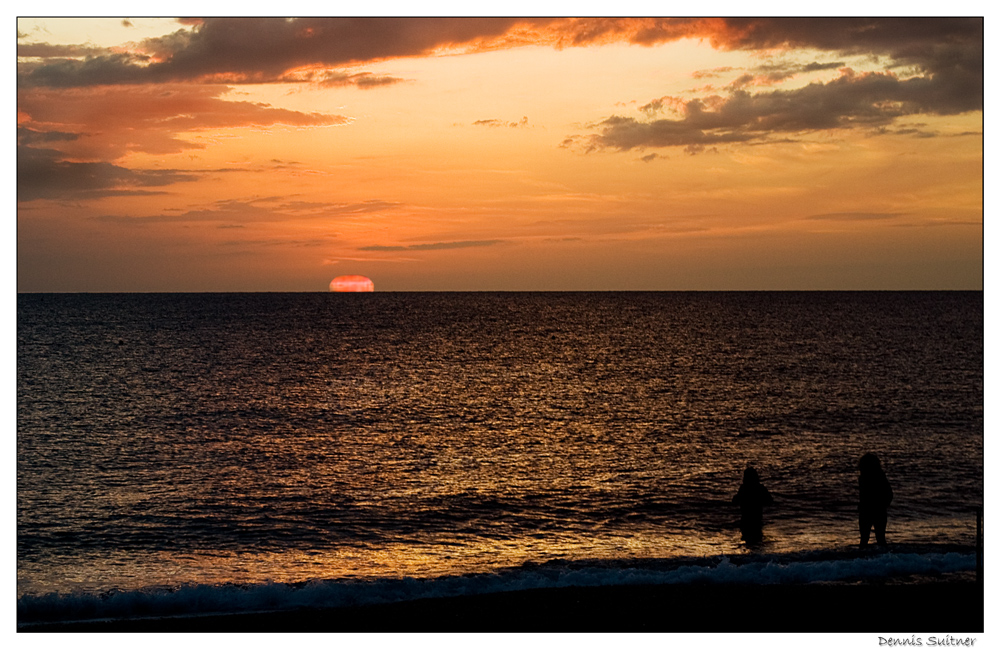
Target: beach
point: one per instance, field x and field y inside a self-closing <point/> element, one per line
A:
<point x="953" y="604"/>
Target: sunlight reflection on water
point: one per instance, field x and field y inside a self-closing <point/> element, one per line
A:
<point x="171" y="438"/>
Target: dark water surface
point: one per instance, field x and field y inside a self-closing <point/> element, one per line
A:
<point x="169" y="439"/>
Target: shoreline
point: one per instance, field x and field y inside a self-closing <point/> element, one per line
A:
<point x="945" y="604"/>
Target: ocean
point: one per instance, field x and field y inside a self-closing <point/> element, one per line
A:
<point x="183" y="454"/>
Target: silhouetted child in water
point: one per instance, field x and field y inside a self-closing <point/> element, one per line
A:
<point x="751" y="498"/>
<point x="874" y="496"/>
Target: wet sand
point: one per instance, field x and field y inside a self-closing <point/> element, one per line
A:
<point x="888" y="607"/>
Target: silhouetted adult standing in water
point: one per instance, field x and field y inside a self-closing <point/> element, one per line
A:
<point x="874" y="496"/>
<point x="751" y="498"/>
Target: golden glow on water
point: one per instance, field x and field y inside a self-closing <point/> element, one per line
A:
<point x="426" y="560"/>
<point x="132" y="571"/>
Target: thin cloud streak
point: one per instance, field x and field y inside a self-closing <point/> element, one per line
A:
<point x="854" y="216"/>
<point x="445" y="245"/>
<point x="256" y="211"/>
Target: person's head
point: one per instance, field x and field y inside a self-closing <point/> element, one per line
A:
<point x="869" y="463"/>
<point x="750" y="475"/>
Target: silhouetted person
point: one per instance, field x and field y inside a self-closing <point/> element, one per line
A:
<point x="751" y="498"/>
<point x="874" y="496"/>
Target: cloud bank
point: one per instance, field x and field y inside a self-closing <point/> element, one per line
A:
<point x="67" y="139"/>
<point x="141" y="98"/>
<point x="260" y="50"/>
<point x="932" y="66"/>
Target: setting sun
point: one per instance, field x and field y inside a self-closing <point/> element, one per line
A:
<point x="352" y="284"/>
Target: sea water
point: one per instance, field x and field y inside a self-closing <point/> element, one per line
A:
<point x="190" y="453"/>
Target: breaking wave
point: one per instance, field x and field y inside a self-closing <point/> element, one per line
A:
<point x="221" y="599"/>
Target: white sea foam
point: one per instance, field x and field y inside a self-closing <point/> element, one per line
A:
<point x="204" y="599"/>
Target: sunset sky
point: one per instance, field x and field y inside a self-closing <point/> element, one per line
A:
<point x="468" y="154"/>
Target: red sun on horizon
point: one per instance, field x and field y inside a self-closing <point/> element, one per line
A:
<point x="352" y="284"/>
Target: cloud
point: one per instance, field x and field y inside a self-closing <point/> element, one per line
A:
<point x="260" y="50"/>
<point x="57" y="158"/>
<point x="817" y="66"/>
<point x="900" y="38"/>
<point x="869" y="100"/>
<point x="366" y="80"/>
<point x="499" y="123"/>
<point x="931" y="65"/>
<point x="46" y="51"/>
<point x="854" y="216"/>
<point x="775" y="73"/>
<point x="944" y="57"/>
<point x="333" y="78"/>
<point x="42" y="174"/>
<point x="714" y="72"/>
<point x="625" y="133"/>
<point x="330" y="261"/>
<point x="446" y="245"/>
<point x="148" y="118"/>
<point x="114" y="68"/>
<point x="259" y="210"/>
<point x="947" y="51"/>
<point x="662" y="104"/>
<point x="29" y="137"/>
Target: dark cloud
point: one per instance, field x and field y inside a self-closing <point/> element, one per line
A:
<point x="27" y="136"/>
<point x="626" y="133"/>
<point x="259" y="50"/>
<point x="947" y="50"/>
<point x="774" y="73"/>
<point x="870" y="100"/>
<point x="817" y="67"/>
<point x="115" y="68"/>
<point x="235" y="50"/>
<point x="446" y="245"/>
<point x="899" y="38"/>
<point x="41" y="174"/>
<point x="942" y="58"/>
<point x="46" y="51"/>
<point x="368" y="80"/>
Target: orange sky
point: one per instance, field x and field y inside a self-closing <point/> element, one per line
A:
<point x="499" y="154"/>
